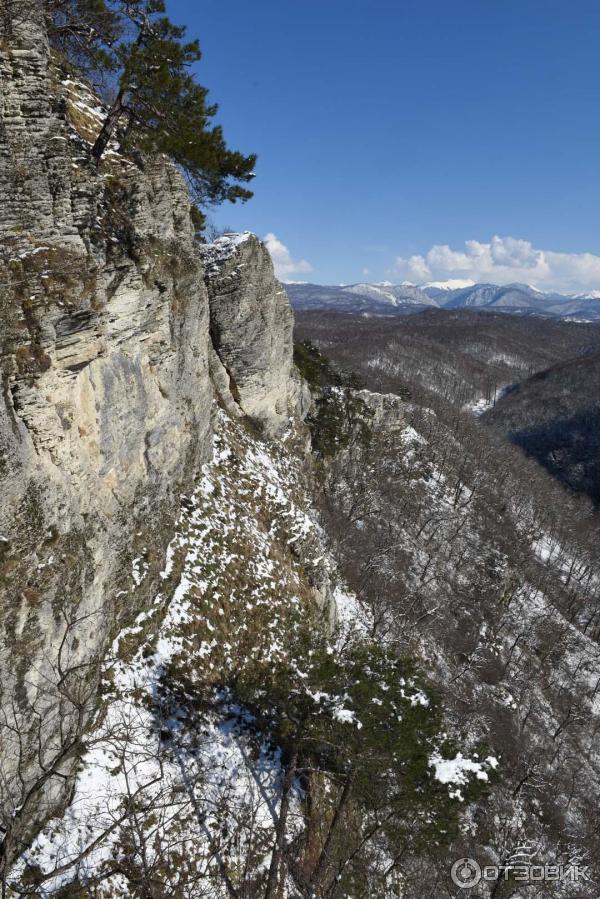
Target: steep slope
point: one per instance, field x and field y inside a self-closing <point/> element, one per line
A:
<point x="206" y="692"/>
<point x="144" y="512"/>
<point x="110" y="351"/>
<point x="243" y="564"/>
<point x="468" y="556"/>
<point x="555" y="417"/>
<point x="251" y="326"/>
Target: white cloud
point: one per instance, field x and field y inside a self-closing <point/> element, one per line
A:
<point x="282" y="259"/>
<point x="503" y="260"/>
<point x="365" y="271"/>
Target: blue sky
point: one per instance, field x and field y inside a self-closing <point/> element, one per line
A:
<point x="391" y="132"/>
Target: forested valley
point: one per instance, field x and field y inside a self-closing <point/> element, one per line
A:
<point x="471" y="550"/>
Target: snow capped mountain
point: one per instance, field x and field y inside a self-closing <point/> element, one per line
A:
<point x="474" y="295"/>
<point x="590" y="295"/>
<point x="377" y="291"/>
<point x="451" y="284"/>
<point x="396" y="294"/>
<point x="515" y="296"/>
<point x="386" y="298"/>
<point x="369" y="299"/>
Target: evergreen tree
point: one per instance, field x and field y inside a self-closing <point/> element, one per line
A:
<point x="356" y="725"/>
<point x="141" y="58"/>
<point x="85" y="32"/>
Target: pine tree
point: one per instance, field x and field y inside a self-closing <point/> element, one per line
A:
<point x="155" y="105"/>
<point x="85" y="32"/>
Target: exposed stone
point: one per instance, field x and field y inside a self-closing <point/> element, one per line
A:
<point x="108" y="375"/>
<point x="252" y="329"/>
<point x="387" y="409"/>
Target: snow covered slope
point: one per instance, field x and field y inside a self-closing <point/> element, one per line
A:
<point x="178" y="786"/>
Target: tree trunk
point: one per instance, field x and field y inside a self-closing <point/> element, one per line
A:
<point x="280" y="830"/>
<point x="108" y="128"/>
<point x="319" y="871"/>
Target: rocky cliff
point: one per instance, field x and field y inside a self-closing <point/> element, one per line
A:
<point x="117" y="334"/>
<point x="251" y="325"/>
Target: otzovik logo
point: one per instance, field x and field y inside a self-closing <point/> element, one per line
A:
<point x="467" y="873"/>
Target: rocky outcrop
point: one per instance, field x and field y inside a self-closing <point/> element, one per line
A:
<point x="385" y="409"/>
<point x="252" y="329"/>
<point x="106" y="399"/>
<point x="107" y="325"/>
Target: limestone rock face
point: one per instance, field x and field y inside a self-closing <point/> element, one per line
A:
<point x="385" y="408"/>
<point x="252" y="329"/>
<point x="108" y="376"/>
<point x="106" y="388"/>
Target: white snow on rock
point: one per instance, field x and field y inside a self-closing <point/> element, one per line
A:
<point x="223" y="247"/>
<point x="190" y="776"/>
<point x="352" y="617"/>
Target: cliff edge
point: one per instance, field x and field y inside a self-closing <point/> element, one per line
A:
<point x="117" y="333"/>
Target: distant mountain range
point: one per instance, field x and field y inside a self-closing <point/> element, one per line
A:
<point x="404" y="299"/>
